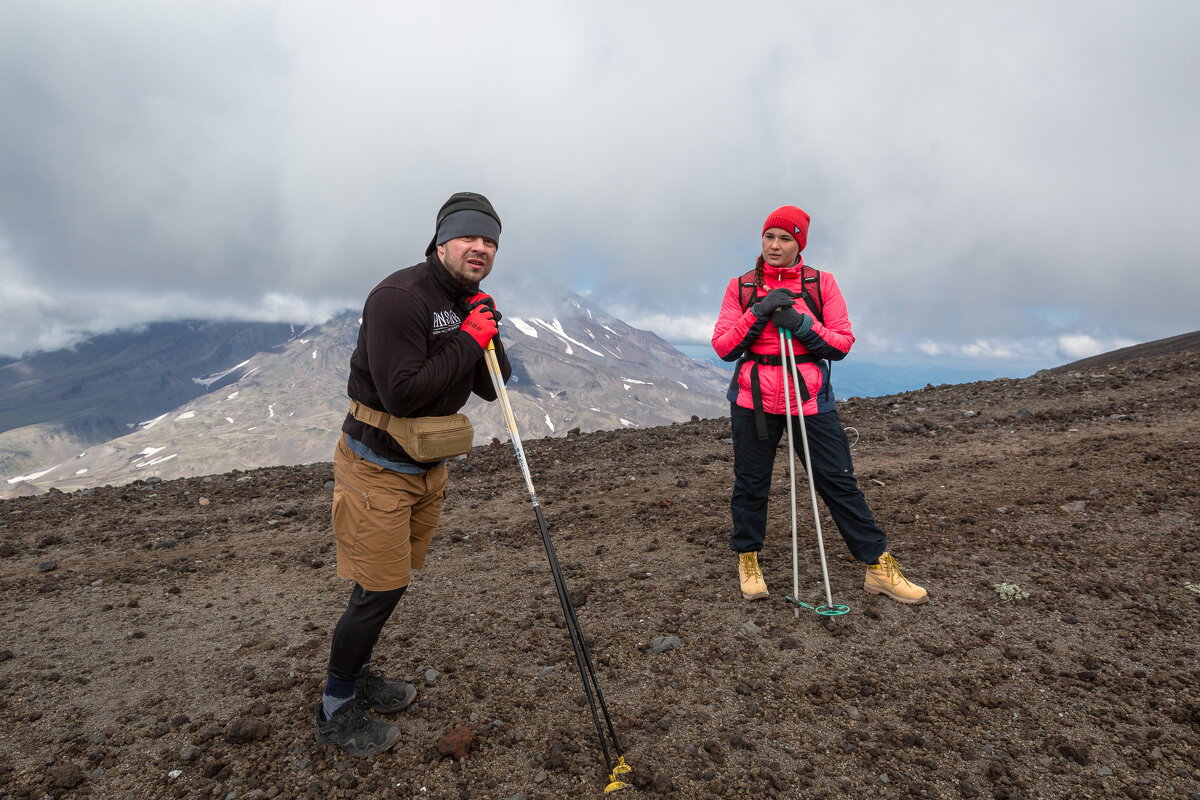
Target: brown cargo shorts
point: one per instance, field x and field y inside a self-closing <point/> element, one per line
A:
<point x="383" y="520"/>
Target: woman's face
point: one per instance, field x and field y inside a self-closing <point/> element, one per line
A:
<point x="779" y="248"/>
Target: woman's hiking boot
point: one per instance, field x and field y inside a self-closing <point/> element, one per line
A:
<point x="751" y="577"/>
<point x="355" y="731"/>
<point x="886" y="578"/>
<point x="382" y="695"/>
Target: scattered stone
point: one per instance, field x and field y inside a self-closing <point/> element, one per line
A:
<point x="7" y="550"/>
<point x="431" y="676"/>
<point x="1104" y="771"/>
<point x="1074" y="506"/>
<point x="204" y="501"/>
<point x="47" y="566"/>
<point x="329" y="486"/>
<point x="545" y="671"/>
<point x="853" y="713"/>
<point x="682" y="483"/>
<point x="1077" y="753"/>
<point x="67" y="776"/>
<point x="750" y="629"/>
<point x="456" y="743"/>
<point x="662" y="644"/>
<point x="189" y="752"/>
<point x="247" y="729"/>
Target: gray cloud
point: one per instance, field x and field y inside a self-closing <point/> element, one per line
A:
<point x="996" y="182"/>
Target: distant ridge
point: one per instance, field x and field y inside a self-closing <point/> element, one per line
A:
<point x="1175" y="344"/>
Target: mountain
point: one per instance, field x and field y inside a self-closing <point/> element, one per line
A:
<point x="54" y="404"/>
<point x="215" y="407"/>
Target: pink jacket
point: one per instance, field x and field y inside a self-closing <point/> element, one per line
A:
<point x="739" y="331"/>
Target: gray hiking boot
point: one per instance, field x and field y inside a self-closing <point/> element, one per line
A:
<point x="383" y="695"/>
<point x="355" y="731"/>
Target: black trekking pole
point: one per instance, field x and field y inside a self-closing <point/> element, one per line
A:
<point x="587" y="671"/>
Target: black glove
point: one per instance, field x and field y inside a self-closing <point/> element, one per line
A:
<point x="481" y="299"/>
<point x="792" y="320"/>
<point x="774" y="299"/>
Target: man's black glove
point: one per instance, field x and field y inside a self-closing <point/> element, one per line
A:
<point x="774" y="299"/>
<point x="792" y="320"/>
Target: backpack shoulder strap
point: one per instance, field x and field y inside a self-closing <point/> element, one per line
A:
<point x="811" y="291"/>
<point x="747" y="289"/>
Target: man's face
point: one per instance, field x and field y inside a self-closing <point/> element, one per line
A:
<point x="468" y="258"/>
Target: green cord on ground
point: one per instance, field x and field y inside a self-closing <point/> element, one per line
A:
<point x="835" y="610"/>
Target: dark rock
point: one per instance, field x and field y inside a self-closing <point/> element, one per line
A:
<point x="456" y="743"/>
<point x="67" y="776"/>
<point x="247" y="729"/>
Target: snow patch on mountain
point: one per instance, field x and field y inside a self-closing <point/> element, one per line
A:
<point x="556" y="328"/>
<point x="209" y="380"/>
<point x="523" y="326"/>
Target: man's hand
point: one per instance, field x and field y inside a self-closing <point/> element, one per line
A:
<point x="792" y="320"/>
<point x="774" y="299"/>
<point x="479" y="298"/>
<point x="481" y="324"/>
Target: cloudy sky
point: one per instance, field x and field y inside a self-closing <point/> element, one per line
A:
<point x="991" y="183"/>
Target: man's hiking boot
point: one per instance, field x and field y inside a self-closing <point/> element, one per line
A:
<point x="886" y="578"/>
<point x="751" y="577"/>
<point x="355" y="731"/>
<point x="383" y="695"/>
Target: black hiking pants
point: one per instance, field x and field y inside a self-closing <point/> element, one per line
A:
<point x="358" y="630"/>
<point x="833" y="474"/>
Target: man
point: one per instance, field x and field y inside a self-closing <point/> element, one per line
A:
<point x="419" y="354"/>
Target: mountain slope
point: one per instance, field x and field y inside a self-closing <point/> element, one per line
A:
<point x="171" y="639"/>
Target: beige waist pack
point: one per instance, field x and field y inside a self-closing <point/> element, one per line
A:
<point x="423" y="438"/>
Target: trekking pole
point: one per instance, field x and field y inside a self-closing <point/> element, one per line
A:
<point x="583" y="657"/>
<point x="788" y="352"/>
<point x="787" y="414"/>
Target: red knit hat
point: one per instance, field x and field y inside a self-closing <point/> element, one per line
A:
<point x="791" y="219"/>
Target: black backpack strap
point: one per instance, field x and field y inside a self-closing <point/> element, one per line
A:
<point x="747" y="290"/>
<point x="760" y="414"/>
<point x="810" y="290"/>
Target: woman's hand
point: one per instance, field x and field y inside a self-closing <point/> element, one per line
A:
<point x="774" y="300"/>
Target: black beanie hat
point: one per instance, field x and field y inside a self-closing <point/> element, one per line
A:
<point x="461" y="201"/>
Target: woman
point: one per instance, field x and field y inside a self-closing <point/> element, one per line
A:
<point x="783" y="293"/>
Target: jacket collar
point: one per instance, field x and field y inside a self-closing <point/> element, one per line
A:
<point x="447" y="282"/>
<point x="785" y="273"/>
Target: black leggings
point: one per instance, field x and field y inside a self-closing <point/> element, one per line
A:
<point x="833" y="475"/>
<point x="358" y="630"/>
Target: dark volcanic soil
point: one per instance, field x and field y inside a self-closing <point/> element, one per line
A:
<point x="169" y="639"/>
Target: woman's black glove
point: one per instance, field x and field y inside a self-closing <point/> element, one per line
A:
<point x="774" y="300"/>
<point x="792" y="320"/>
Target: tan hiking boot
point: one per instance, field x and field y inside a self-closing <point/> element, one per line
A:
<point x="886" y="578"/>
<point x="753" y="585"/>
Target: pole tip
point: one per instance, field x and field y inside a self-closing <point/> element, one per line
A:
<point x="614" y="783"/>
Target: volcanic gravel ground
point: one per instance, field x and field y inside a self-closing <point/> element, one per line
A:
<point x="169" y="639"/>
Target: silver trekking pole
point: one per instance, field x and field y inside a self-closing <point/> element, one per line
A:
<point x="583" y="656"/>
<point x="787" y="413"/>
<point x="789" y="357"/>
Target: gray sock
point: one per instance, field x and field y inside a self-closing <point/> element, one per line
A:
<point x="330" y="704"/>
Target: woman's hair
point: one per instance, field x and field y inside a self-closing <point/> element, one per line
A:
<point x="758" y="271"/>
